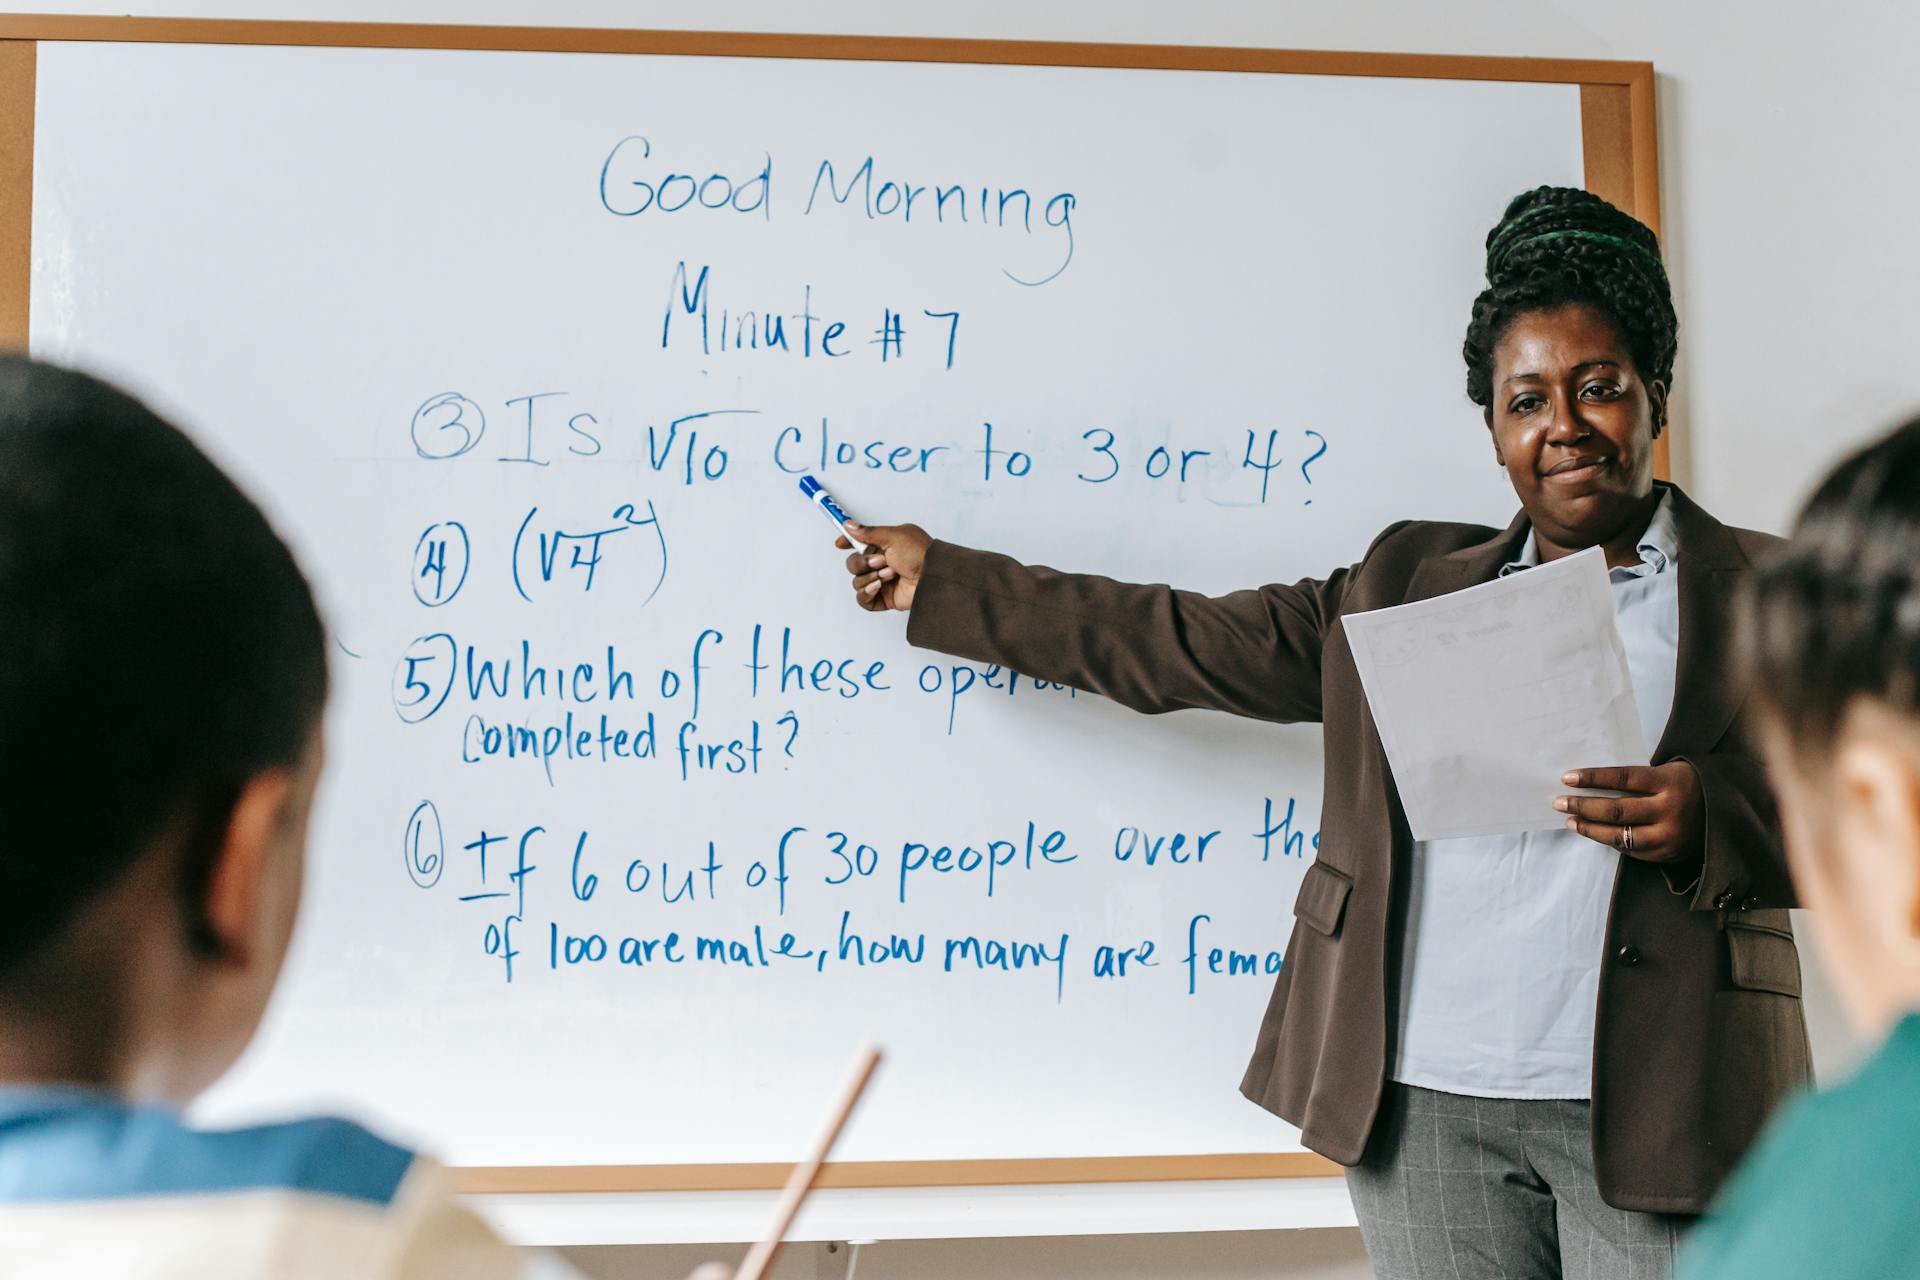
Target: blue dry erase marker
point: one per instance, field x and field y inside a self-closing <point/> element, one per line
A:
<point x="818" y="495"/>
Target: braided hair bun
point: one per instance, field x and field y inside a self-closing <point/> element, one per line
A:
<point x="1835" y="619"/>
<point x="1560" y="245"/>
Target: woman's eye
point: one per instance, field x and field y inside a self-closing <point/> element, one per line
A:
<point x="1524" y="404"/>
<point x="1600" y="390"/>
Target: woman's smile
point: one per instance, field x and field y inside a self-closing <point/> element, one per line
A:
<point x="1578" y="470"/>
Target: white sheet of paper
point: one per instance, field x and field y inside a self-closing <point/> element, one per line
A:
<point x="1485" y="697"/>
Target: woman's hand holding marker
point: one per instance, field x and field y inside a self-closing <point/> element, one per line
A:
<point x="1659" y="817"/>
<point x="886" y="573"/>
<point x="886" y="559"/>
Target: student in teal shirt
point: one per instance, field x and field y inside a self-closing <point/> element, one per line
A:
<point x="1833" y="1191"/>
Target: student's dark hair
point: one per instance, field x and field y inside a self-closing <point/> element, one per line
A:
<point x="160" y="645"/>
<point x="1835" y="618"/>
<point x="1558" y="245"/>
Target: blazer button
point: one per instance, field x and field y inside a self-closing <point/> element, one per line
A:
<point x="1725" y="902"/>
<point x="1748" y="904"/>
<point x="1629" y="955"/>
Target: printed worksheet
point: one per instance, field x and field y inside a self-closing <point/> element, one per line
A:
<point x="1485" y="697"/>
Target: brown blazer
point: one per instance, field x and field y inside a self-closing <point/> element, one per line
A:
<point x="1699" y="1029"/>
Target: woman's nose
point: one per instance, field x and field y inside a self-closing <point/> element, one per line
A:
<point x="1566" y="425"/>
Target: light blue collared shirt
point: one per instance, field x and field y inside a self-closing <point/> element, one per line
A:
<point x="1500" y="975"/>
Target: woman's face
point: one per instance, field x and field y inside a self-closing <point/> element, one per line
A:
<point x="1852" y="825"/>
<point x="1574" y="424"/>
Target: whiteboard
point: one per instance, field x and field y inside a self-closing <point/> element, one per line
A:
<point x="519" y="396"/>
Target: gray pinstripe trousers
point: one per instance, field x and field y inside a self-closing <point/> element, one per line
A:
<point x="1459" y="1188"/>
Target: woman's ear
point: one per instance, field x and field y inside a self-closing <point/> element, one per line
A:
<point x="239" y="887"/>
<point x="1657" y="393"/>
<point x="1877" y="781"/>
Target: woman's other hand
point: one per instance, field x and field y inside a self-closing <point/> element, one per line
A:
<point x="886" y="573"/>
<point x="1660" y="815"/>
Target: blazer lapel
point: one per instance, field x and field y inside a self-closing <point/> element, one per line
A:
<point x="1469" y="566"/>
<point x="1707" y="689"/>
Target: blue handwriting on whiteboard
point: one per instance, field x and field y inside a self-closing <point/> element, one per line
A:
<point x="584" y="548"/>
<point x="813" y="336"/>
<point x="634" y="184"/>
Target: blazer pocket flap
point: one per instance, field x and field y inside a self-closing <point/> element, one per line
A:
<point x="1323" y="898"/>
<point x="1763" y="960"/>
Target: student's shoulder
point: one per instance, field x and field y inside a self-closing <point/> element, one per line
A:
<point x="322" y="1155"/>
<point x="1832" y="1189"/>
<point x="106" y="1150"/>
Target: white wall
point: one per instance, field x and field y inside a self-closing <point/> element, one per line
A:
<point x="1789" y="200"/>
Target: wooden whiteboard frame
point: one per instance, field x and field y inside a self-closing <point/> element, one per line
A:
<point x="1621" y="163"/>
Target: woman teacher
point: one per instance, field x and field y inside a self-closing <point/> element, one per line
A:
<point x="1526" y="1048"/>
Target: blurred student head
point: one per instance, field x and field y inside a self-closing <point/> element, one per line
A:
<point x="1834" y="633"/>
<point x="160" y="701"/>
